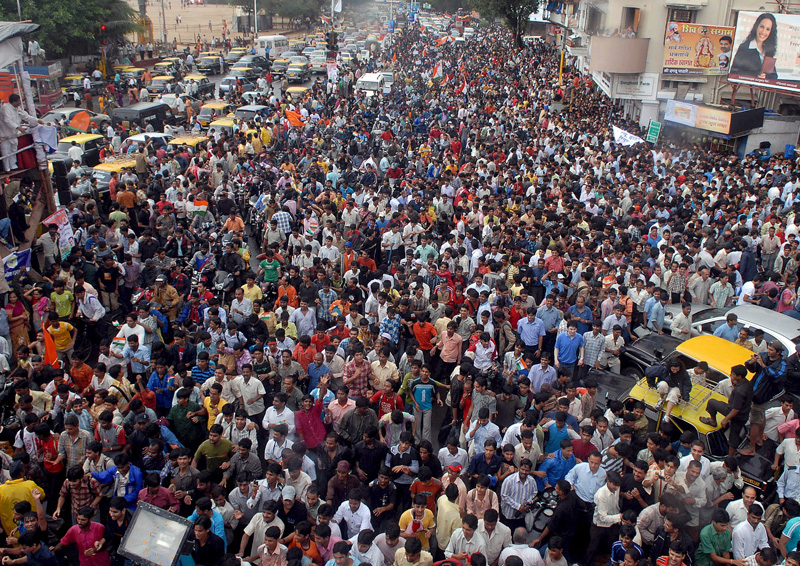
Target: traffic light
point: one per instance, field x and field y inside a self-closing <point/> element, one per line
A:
<point x="103" y="38"/>
<point x="330" y="40"/>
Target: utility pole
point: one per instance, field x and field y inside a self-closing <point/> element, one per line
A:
<point x="255" y="22"/>
<point x="164" y="22"/>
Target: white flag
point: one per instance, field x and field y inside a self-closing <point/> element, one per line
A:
<point x="625" y="138"/>
<point x="337" y="6"/>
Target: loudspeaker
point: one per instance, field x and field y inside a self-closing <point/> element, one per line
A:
<point x="59" y="168"/>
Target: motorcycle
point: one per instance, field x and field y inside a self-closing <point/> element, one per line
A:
<point x="541" y="511"/>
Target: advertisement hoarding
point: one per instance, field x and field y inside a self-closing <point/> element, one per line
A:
<point x="697" y="49"/>
<point x="715" y="120"/>
<point x="765" y="51"/>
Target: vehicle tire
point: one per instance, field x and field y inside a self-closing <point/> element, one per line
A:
<point x="633" y="372"/>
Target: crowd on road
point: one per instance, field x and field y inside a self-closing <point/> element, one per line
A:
<point x="454" y="256"/>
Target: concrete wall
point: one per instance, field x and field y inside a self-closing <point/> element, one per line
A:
<point x="778" y="130"/>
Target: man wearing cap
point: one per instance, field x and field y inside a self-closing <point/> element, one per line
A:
<point x="165" y="294"/>
<point x="341" y="484"/>
<point x="770" y="374"/>
<point x="291" y="511"/>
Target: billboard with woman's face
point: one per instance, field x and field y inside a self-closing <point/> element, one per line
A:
<point x="765" y="51"/>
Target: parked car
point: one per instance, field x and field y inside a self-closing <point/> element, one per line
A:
<point x="74" y="83"/>
<point x="319" y="65"/>
<point x="279" y="66"/>
<point x="705" y="320"/>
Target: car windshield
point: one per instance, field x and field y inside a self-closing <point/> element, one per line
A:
<point x="64" y="147"/>
<point x="709" y="313"/>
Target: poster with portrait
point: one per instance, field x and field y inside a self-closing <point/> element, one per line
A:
<point x="765" y="51"/>
<point x="65" y="233"/>
<point x="697" y="49"/>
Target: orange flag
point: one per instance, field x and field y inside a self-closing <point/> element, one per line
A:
<point x="295" y="119"/>
<point x="80" y="121"/>
<point x="394" y="58"/>
<point x="50" y="354"/>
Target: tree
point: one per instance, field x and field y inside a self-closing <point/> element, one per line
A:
<point x="516" y="14"/>
<point x="73" y="27"/>
<point x="303" y="8"/>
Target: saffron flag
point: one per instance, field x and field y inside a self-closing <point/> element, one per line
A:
<point x="295" y="119"/>
<point x="50" y="354"/>
<point x="437" y="71"/>
<point x="394" y="58"/>
<point x="462" y="88"/>
<point x="324" y="19"/>
<point x="80" y="121"/>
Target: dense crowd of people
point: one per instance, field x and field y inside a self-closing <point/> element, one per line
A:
<point x="399" y="358"/>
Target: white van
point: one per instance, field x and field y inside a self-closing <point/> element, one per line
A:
<point x="276" y="44"/>
<point x="371" y="83"/>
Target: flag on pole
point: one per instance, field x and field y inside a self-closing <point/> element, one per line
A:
<point x="80" y="121"/>
<point x="462" y="87"/>
<point x="337" y="6"/>
<point x="295" y="119"/>
<point x="625" y="138"/>
<point x="437" y="71"/>
<point x="324" y="19"/>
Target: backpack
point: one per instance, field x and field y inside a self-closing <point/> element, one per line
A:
<point x="654" y="374"/>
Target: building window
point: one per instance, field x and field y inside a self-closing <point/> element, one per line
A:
<point x="594" y="21"/>
<point x="682" y="16"/>
<point x="630" y="21"/>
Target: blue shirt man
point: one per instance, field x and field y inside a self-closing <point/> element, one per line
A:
<point x="655" y="319"/>
<point x="568" y="346"/>
<point x="557" y="467"/>
<point x="217" y="523"/>
<point x="730" y="330"/>
<point x="582" y="315"/>
<point x="138" y="356"/>
<point x="531" y="329"/>
<point x="315" y="372"/>
<point x="587" y="477"/>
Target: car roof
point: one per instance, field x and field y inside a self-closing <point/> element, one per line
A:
<point x="188" y="140"/>
<point x="140" y="137"/>
<point x="164" y="78"/>
<point x="216" y="105"/>
<point x="252" y="108"/>
<point x="80" y="138"/>
<point x="784" y="325"/>
<point x="115" y="165"/>
<point x="195" y="77"/>
<point x="227" y="122"/>
<point x="721" y="355"/>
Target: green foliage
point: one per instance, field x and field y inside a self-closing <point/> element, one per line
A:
<point x="515" y="13"/>
<point x="72" y="27"/>
<point x="448" y="6"/>
<point x="263" y="6"/>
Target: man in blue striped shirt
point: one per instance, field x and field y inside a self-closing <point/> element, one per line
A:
<point x="517" y="492"/>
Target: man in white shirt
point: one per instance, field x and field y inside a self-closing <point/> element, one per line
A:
<point x="777" y="416"/>
<point x="606" y="515"/>
<point x="12" y="116"/>
<point x="465" y="541"/>
<point x="355" y="514"/>
<point x="749" y="536"/>
<point x="697" y="454"/>
<point x="496" y="534"/>
<point x="519" y="548"/>
<point x="738" y="510"/>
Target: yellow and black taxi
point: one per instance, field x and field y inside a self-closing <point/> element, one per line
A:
<point x="90" y="144"/>
<point x="159" y="85"/>
<point x="205" y="86"/>
<point x="279" y="66"/>
<point x="209" y="65"/>
<point x="298" y="72"/>
<point x="721" y="355"/>
<point x="211" y="111"/>
<point x="189" y="142"/>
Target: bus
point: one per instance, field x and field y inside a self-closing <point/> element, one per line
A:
<point x="47" y="93"/>
<point x="273" y="45"/>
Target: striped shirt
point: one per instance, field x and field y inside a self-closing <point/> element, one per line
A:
<point x="515" y="494"/>
<point x="593" y="346"/>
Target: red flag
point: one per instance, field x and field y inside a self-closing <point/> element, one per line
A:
<point x="295" y="119"/>
<point x="50" y="354"/>
<point x="461" y="87"/>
